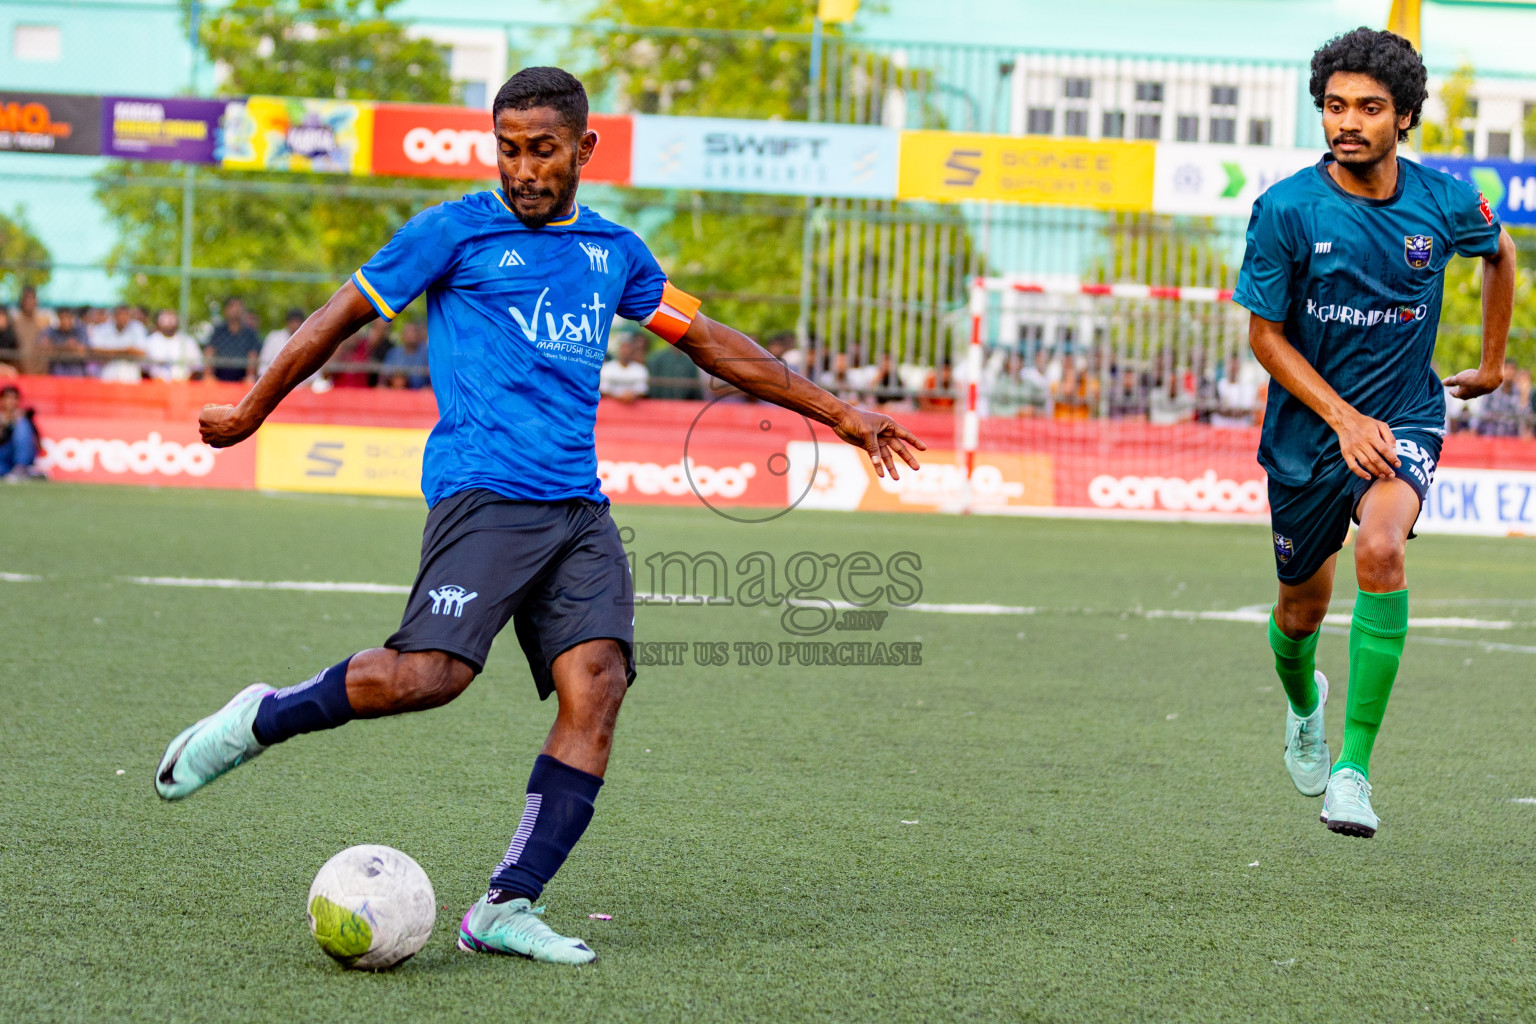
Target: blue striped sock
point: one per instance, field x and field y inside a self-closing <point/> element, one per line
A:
<point x="559" y="808"/>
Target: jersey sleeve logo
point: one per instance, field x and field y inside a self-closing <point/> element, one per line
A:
<point x="1417" y="249"/>
<point x="1482" y="208"/>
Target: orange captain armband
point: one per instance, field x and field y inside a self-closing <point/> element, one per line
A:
<point x="672" y="317"/>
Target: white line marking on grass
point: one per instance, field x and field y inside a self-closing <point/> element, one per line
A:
<point x="1523" y="800"/>
<point x="319" y="586"/>
<point x="19" y="577"/>
<point x="1258" y="617"/>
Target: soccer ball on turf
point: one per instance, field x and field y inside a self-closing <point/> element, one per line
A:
<point x="371" y="907"/>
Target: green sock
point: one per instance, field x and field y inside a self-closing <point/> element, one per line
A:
<point x="1295" y="663"/>
<point x="1375" y="647"/>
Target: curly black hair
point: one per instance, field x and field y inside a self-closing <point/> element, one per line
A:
<point x="545" y="87"/>
<point x="1386" y="57"/>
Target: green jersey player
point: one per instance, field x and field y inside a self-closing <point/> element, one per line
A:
<point x="1343" y="276"/>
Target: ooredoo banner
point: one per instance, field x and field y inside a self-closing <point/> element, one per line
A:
<point x="160" y="453"/>
<point x="50" y="122"/>
<point x="137" y="128"/>
<point x="778" y="157"/>
<point x="421" y="141"/>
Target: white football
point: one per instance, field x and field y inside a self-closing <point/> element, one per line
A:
<point x="371" y="907"/>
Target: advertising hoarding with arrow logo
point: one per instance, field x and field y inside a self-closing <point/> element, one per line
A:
<point x="1220" y="181"/>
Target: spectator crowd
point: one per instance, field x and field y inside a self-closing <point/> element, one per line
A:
<point x="126" y="344"/>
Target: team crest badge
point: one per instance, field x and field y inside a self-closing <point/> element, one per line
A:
<point x="1284" y="549"/>
<point x="1417" y="250"/>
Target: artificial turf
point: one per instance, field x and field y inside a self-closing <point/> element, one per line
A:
<point x="1103" y="828"/>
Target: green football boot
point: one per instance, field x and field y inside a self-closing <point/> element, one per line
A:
<point x="1306" y="749"/>
<point x="514" y="928"/>
<point x="1347" y="805"/>
<point x="211" y="747"/>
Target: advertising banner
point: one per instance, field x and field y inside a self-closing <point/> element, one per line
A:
<point x="1510" y="188"/>
<point x="1220" y="181"/>
<point x="49" y="122"/>
<point x="779" y="157"/>
<point x="158" y="453"/>
<point x="340" y="460"/>
<point x="271" y="133"/>
<point x="1493" y="502"/>
<point x="135" y="128"/>
<point x="422" y="141"/>
<point x="953" y="166"/>
<point x="845" y="481"/>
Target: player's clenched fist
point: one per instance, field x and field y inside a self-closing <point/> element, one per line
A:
<point x="221" y="427"/>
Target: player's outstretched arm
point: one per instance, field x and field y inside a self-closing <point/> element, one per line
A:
<point x="1368" y="447"/>
<point x="738" y="360"/>
<point x="1498" y="307"/>
<point x="309" y="348"/>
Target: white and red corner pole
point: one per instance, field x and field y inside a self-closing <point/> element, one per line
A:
<point x="970" y="422"/>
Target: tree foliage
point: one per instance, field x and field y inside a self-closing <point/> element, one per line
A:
<point x="1459" y="343"/>
<point x="1448" y="134"/>
<point x="630" y="62"/>
<point x="258" y="221"/>
<point x="24" y="259"/>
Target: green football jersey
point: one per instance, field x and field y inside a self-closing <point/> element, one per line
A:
<point x="1357" y="283"/>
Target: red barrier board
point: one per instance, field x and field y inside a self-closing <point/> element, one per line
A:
<point x="422" y="141"/>
<point x="163" y="453"/>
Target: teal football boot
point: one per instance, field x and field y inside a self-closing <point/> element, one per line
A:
<point x="1307" y="757"/>
<point x="514" y="928"/>
<point x="211" y="747"/>
<point x="1347" y="805"/>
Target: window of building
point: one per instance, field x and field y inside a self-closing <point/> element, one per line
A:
<point x="37" y="42"/>
<point x="1149" y="126"/>
<point x="1187" y="129"/>
<point x="1499" y="145"/>
<point x="473" y="94"/>
<point x="1149" y="92"/>
<point x="1259" y="130"/>
<point x="1469" y="141"/>
<point x="1074" y="122"/>
<point x="1077" y="88"/>
<point x="1223" y="95"/>
<point x="1041" y="120"/>
<point x="1114" y="124"/>
<point x="1223" y="129"/>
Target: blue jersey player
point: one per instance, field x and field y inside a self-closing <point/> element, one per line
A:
<point x="522" y="285"/>
<point x="1343" y="276"/>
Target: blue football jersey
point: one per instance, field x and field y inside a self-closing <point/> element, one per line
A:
<point x="1357" y="283"/>
<point x="517" y="330"/>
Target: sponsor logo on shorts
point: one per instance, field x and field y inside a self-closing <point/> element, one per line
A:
<point x="1284" y="549"/>
<point x="1417" y="462"/>
<point x="450" y="600"/>
<point x="1417" y="250"/>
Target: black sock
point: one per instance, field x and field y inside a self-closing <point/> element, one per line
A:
<point x="317" y="703"/>
<point x="559" y="808"/>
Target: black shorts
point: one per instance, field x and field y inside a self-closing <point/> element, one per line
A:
<point x="1310" y="523"/>
<point x="557" y="569"/>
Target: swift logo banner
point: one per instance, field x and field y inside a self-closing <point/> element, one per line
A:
<point x="779" y="157"/>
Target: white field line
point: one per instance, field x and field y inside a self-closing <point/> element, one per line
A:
<point x="1523" y="800"/>
<point x="320" y="586"/>
<point x="1251" y="615"/>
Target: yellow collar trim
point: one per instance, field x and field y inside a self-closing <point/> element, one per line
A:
<point x="576" y="212"/>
